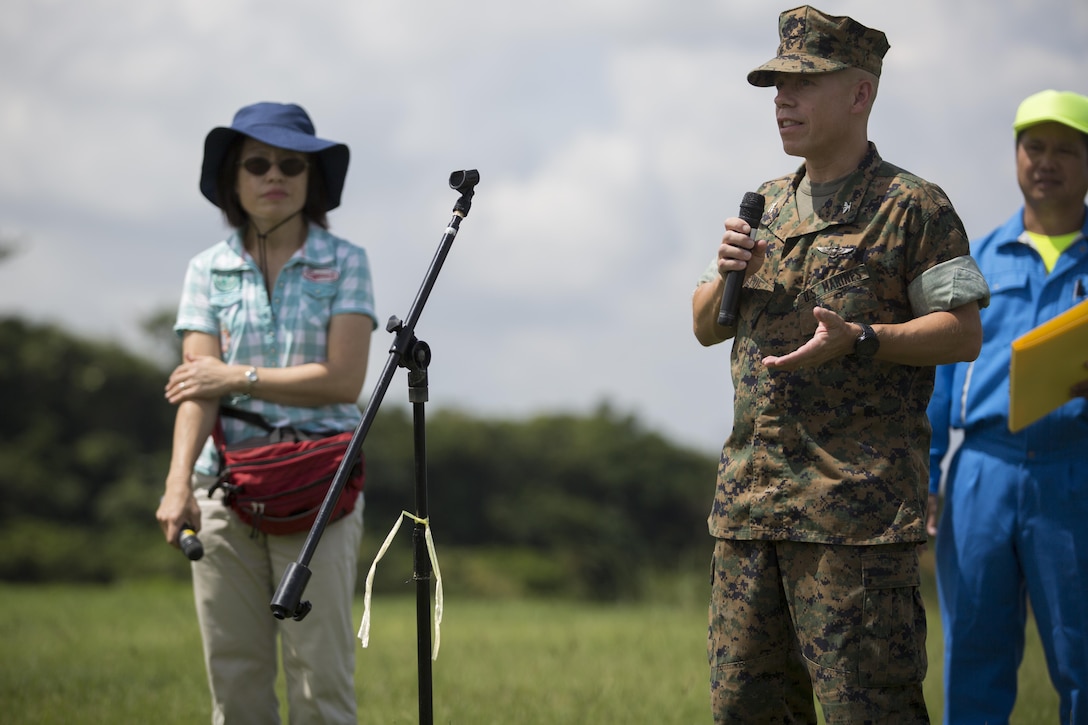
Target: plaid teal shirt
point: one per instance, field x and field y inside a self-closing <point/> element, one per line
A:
<point x="224" y="295"/>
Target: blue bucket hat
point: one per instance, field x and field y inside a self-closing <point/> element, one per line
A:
<point x="285" y="126"/>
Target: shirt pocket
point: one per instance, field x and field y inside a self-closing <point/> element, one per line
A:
<point x="317" y="298"/>
<point x="1008" y="282"/>
<point x="848" y="293"/>
<point x="1010" y="297"/>
<point x="225" y="302"/>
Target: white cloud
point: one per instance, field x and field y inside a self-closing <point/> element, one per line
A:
<point x="612" y="139"/>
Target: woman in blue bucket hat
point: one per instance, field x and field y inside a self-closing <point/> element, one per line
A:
<point x="275" y="320"/>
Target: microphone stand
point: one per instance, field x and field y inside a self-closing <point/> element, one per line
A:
<point x="415" y="355"/>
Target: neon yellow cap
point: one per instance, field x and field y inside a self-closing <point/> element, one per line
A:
<point x="1064" y="107"/>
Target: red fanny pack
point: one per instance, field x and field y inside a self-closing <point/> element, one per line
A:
<point x="277" y="482"/>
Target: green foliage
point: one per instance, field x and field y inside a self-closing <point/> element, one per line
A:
<point x="83" y="427"/>
<point x="588" y="503"/>
<point x="591" y="506"/>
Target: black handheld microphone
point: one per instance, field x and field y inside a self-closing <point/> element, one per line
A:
<point x="190" y="545"/>
<point x="751" y="210"/>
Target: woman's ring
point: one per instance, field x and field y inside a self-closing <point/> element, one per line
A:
<point x="181" y="385"/>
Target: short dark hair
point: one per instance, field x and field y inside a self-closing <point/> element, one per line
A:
<point x="317" y="194"/>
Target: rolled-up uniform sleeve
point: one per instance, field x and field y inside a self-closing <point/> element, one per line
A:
<point x="947" y="286"/>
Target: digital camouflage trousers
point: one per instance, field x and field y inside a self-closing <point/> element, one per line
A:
<point x="790" y="619"/>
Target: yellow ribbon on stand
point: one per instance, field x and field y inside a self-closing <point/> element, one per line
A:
<point x="364" y="628"/>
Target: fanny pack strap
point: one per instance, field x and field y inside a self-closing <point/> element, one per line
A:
<point x="259" y="421"/>
<point x="255" y="419"/>
<point x="247" y="416"/>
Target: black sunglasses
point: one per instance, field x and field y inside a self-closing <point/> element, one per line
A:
<point x="259" y="165"/>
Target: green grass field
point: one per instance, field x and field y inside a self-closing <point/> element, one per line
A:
<point x="131" y="654"/>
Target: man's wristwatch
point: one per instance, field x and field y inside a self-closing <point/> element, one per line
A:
<point x="867" y="343"/>
<point x="251" y="377"/>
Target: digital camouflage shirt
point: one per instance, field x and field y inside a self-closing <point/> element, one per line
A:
<point x="836" y="453"/>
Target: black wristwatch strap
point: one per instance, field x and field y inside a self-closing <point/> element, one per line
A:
<point x="867" y="343"/>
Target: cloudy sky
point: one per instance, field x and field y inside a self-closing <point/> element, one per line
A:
<point x="612" y="137"/>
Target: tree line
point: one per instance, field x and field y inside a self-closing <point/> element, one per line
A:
<point x="558" y="504"/>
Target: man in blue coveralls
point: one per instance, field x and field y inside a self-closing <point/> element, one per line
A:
<point x="1015" y="518"/>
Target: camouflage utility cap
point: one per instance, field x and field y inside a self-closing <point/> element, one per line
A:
<point x="812" y="42"/>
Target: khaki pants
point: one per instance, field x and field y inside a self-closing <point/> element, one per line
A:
<point x="234" y="583"/>
<point x="788" y="619"/>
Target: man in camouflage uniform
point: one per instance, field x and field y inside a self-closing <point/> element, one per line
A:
<point x="857" y="282"/>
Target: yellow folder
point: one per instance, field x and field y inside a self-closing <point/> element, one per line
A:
<point x="1046" y="362"/>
